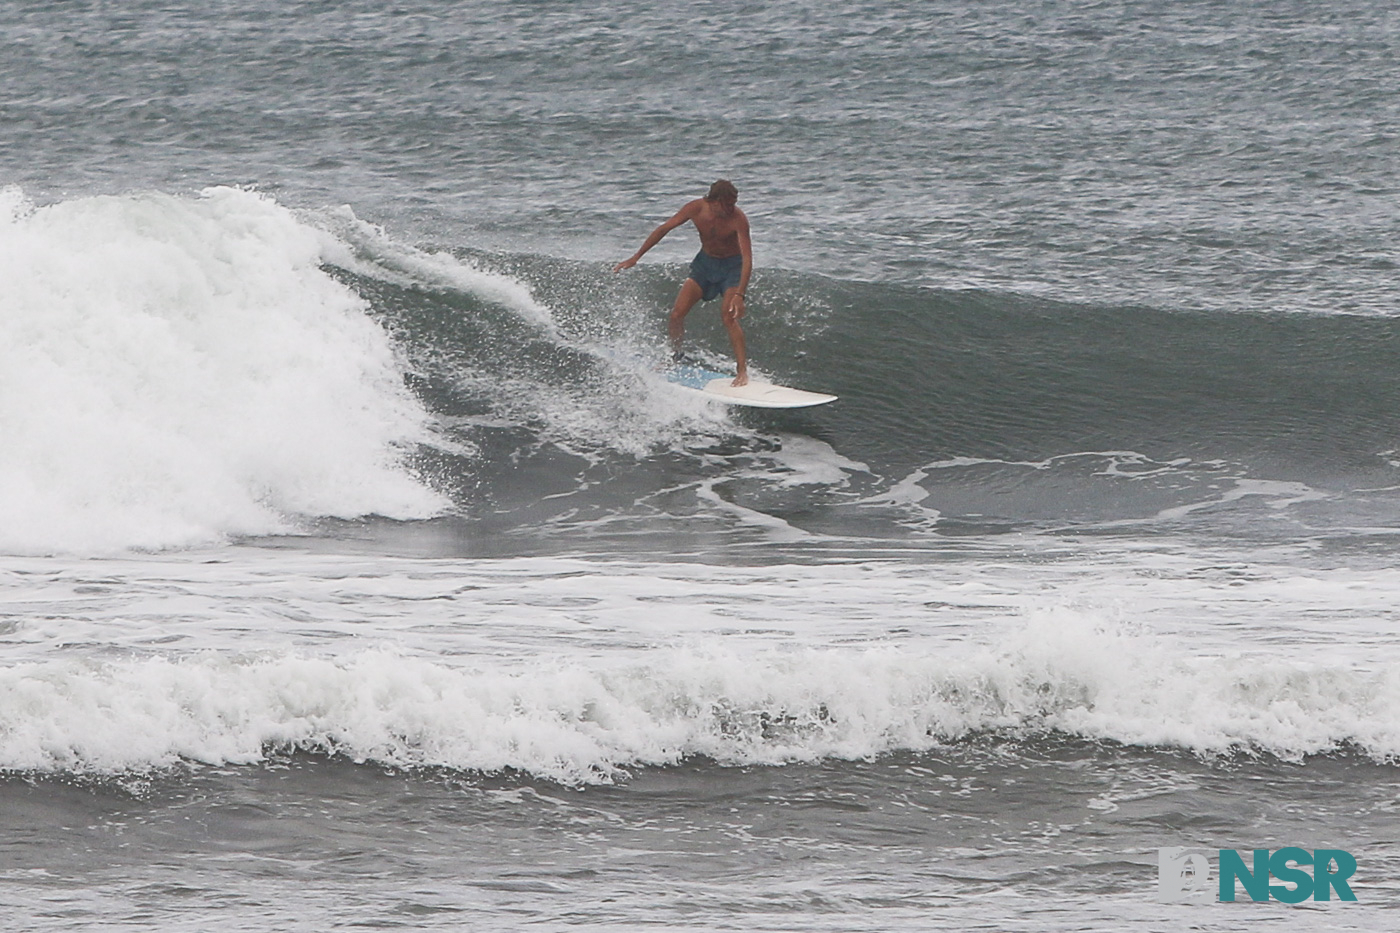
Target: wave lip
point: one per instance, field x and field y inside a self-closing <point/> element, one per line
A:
<point x="175" y="371"/>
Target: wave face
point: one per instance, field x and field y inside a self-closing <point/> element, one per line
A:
<point x="960" y="411"/>
<point x="177" y="370"/>
<point x="182" y="370"/>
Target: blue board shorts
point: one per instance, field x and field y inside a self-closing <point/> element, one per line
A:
<point x="716" y="276"/>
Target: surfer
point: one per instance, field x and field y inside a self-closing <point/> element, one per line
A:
<point x="722" y="266"/>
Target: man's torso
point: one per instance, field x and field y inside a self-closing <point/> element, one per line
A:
<point x="719" y="235"/>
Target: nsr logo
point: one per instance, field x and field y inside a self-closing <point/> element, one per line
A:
<point x="1183" y="873"/>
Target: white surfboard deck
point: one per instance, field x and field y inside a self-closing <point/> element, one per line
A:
<point x="755" y="395"/>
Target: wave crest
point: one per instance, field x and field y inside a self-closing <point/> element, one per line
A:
<point x="175" y="371"/>
<point x="587" y="720"/>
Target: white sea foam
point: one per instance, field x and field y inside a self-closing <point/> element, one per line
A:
<point x="387" y="259"/>
<point x="581" y="719"/>
<point x="807" y="461"/>
<point x="1278" y="495"/>
<point x="576" y="670"/>
<point x="175" y="370"/>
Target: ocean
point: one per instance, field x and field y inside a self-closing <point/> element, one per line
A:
<point x="359" y="570"/>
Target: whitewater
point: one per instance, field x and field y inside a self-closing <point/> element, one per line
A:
<point x="195" y="364"/>
<point x="749" y="676"/>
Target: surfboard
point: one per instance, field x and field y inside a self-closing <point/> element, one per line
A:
<point x="755" y="395"/>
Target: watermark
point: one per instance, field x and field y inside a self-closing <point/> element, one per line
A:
<point x="1184" y="874"/>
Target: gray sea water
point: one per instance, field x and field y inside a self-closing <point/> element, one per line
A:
<point x="359" y="570"/>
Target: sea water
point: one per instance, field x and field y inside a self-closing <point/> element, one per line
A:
<point x="360" y="570"/>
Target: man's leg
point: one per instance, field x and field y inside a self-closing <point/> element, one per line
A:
<point x="686" y="299"/>
<point x="736" y="338"/>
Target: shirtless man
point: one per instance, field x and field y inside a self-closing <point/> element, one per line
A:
<point x="722" y="266"/>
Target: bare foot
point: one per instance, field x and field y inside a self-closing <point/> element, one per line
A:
<point x="740" y="380"/>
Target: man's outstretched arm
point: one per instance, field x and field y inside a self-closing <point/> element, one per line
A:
<point x="681" y="216"/>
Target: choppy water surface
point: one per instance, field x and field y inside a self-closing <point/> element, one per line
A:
<point x="361" y="570"/>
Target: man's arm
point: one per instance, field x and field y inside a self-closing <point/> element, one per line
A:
<point x="735" y="303"/>
<point x="681" y="216"/>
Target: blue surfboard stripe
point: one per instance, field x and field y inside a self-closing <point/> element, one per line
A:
<point x="693" y="377"/>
